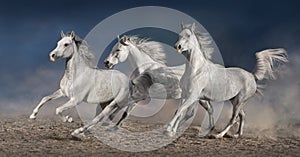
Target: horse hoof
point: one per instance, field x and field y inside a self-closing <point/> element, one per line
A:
<point x="214" y="136"/>
<point x="172" y="134"/>
<point x="201" y="135"/>
<point x="169" y="133"/>
<point x="236" y="136"/>
<point x="78" y="135"/>
<point x="68" y="119"/>
<point x="77" y="131"/>
<point x="32" y="116"/>
<point x="114" y="128"/>
<point x="218" y="136"/>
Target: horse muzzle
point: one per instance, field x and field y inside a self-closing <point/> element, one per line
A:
<point x="108" y="64"/>
<point x="178" y="48"/>
<point x="52" y="57"/>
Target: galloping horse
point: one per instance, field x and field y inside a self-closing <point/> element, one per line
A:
<point x="83" y="82"/>
<point x="148" y="59"/>
<point x="204" y="81"/>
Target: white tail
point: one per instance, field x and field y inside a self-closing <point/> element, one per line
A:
<point x="266" y="60"/>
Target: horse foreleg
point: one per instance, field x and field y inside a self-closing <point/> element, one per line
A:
<point x="189" y="114"/>
<point x="179" y="115"/>
<point x="172" y="123"/>
<point x="71" y="103"/>
<point x="54" y="95"/>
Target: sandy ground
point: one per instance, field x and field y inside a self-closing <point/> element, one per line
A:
<point x="20" y="136"/>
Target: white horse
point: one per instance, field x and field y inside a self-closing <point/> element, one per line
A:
<point x="204" y="81"/>
<point x="83" y="82"/>
<point x="148" y="59"/>
<point x="147" y="56"/>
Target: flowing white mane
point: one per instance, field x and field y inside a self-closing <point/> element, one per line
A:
<point x="205" y="41"/>
<point x="84" y="51"/>
<point x="86" y="54"/>
<point x="151" y="48"/>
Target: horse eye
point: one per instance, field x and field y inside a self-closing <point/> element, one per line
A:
<point x="118" y="50"/>
<point x="65" y="45"/>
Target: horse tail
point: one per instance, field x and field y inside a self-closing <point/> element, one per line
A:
<point x="266" y="61"/>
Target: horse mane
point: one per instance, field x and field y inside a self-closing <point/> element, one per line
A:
<point x="83" y="50"/>
<point x="205" y="41"/>
<point x="151" y="48"/>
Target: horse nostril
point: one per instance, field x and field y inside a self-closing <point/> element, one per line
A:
<point x="53" y="55"/>
<point x="179" y="46"/>
<point x="106" y="62"/>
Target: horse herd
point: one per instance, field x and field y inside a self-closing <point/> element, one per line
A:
<point x="198" y="81"/>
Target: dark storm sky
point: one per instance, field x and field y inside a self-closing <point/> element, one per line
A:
<point x="30" y="29"/>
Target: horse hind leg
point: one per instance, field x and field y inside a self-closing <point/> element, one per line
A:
<point x="107" y="120"/>
<point x="235" y="112"/>
<point x="99" y="109"/>
<point x="71" y="103"/>
<point x="106" y="112"/>
<point x="124" y="115"/>
<point x="97" y="119"/>
<point x="241" y="125"/>
<point x="123" y="103"/>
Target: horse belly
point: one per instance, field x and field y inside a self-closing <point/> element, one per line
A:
<point x="100" y="97"/>
<point x="220" y="91"/>
<point x="100" y="92"/>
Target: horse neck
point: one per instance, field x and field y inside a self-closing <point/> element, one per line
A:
<point x="195" y="59"/>
<point x="75" y="65"/>
<point x="140" y="60"/>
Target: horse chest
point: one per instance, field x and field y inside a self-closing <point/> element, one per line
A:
<point x="186" y="83"/>
<point x="66" y="86"/>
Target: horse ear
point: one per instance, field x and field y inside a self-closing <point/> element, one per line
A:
<point x="124" y="40"/>
<point x="72" y="35"/>
<point x="118" y="38"/>
<point x="132" y="83"/>
<point x="193" y="27"/>
<point x="62" y="34"/>
<point x="182" y="25"/>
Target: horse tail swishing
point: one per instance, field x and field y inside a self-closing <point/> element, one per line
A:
<point x="265" y="61"/>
